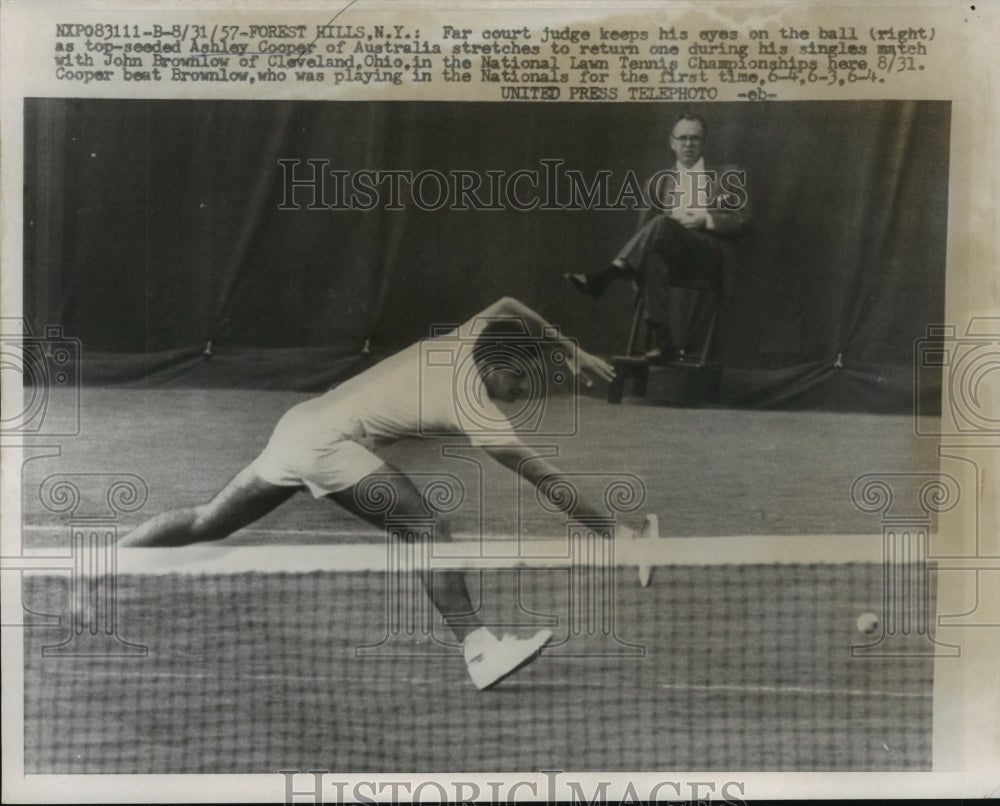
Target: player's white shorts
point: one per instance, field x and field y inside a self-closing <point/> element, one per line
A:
<point x="324" y="459"/>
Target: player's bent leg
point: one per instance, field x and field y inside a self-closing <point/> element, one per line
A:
<point x="489" y="659"/>
<point x="446" y="589"/>
<point x="245" y="499"/>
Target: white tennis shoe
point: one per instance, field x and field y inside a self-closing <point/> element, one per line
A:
<point x="490" y="659"/>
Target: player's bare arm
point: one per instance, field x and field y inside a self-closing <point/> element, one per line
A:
<point x="546" y="477"/>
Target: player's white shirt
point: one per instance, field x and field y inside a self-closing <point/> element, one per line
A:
<point x="405" y="396"/>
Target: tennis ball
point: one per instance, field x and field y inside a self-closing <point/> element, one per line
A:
<point x="867" y="623"/>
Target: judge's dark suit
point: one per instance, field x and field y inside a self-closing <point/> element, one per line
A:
<point x="663" y="248"/>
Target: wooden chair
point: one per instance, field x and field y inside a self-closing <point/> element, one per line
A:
<point x="698" y="377"/>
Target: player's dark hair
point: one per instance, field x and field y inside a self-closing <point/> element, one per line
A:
<point x="501" y="345"/>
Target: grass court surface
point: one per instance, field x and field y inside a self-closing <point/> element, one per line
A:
<point x="743" y="666"/>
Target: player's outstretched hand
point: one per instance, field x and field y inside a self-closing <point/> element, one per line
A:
<point x="588" y="364"/>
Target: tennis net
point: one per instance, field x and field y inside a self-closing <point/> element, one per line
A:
<point x="251" y="660"/>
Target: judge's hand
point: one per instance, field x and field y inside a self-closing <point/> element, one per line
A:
<point x="692" y="219"/>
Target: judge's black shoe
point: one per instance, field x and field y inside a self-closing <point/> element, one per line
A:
<point x="595" y="283"/>
<point x="581" y="282"/>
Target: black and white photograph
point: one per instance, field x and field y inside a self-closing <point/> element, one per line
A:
<point x="550" y="443"/>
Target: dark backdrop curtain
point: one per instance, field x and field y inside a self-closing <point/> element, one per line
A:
<point x="153" y="228"/>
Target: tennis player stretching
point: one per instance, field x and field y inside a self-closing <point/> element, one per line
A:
<point x="325" y="445"/>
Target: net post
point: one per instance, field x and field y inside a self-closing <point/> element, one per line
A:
<point x="95" y="503"/>
<point x="905" y="502"/>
